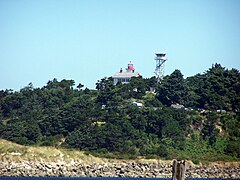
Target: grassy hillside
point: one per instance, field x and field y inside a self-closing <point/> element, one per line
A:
<point x="16" y="152"/>
<point x="13" y="152"/>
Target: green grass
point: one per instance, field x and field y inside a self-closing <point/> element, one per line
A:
<point x="9" y="151"/>
<point x="7" y="147"/>
<point x="14" y="152"/>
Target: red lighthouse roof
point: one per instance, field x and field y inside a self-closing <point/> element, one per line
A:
<point x="130" y="66"/>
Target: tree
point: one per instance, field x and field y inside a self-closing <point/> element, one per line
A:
<point x="109" y="94"/>
<point x="172" y="89"/>
<point x="80" y="86"/>
<point x="24" y="130"/>
<point x="209" y="131"/>
<point x="194" y="87"/>
<point x="105" y="88"/>
<point x="82" y="138"/>
<point x="136" y="87"/>
<point x="151" y="83"/>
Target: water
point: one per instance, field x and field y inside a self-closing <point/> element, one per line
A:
<point x="100" y="178"/>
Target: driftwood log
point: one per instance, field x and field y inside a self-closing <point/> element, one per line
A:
<point x="178" y="170"/>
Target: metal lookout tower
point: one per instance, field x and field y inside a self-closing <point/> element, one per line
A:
<point x="159" y="70"/>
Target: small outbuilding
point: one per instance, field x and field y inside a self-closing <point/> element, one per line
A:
<point x="137" y="104"/>
<point x="177" y="106"/>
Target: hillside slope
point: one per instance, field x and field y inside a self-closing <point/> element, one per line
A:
<point x="197" y="118"/>
<point x="17" y="160"/>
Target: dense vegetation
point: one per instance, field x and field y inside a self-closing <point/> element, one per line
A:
<point x="105" y="123"/>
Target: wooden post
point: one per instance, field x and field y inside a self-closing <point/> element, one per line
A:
<point x="174" y="170"/>
<point x="183" y="170"/>
<point x="178" y="170"/>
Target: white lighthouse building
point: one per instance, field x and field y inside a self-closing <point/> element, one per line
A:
<point x="125" y="76"/>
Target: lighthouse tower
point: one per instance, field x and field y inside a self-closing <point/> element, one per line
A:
<point x="160" y="59"/>
<point x="125" y="76"/>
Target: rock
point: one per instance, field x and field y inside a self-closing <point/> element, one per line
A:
<point x="110" y="169"/>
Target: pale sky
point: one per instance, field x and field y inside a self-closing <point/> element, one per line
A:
<point x="86" y="40"/>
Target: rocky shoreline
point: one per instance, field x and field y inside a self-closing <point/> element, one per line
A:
<point x="155" y="169"/>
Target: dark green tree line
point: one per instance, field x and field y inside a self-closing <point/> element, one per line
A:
<point x="104" y="120"/>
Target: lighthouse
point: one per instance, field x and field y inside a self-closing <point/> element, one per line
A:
<point x="125" y="76"/>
